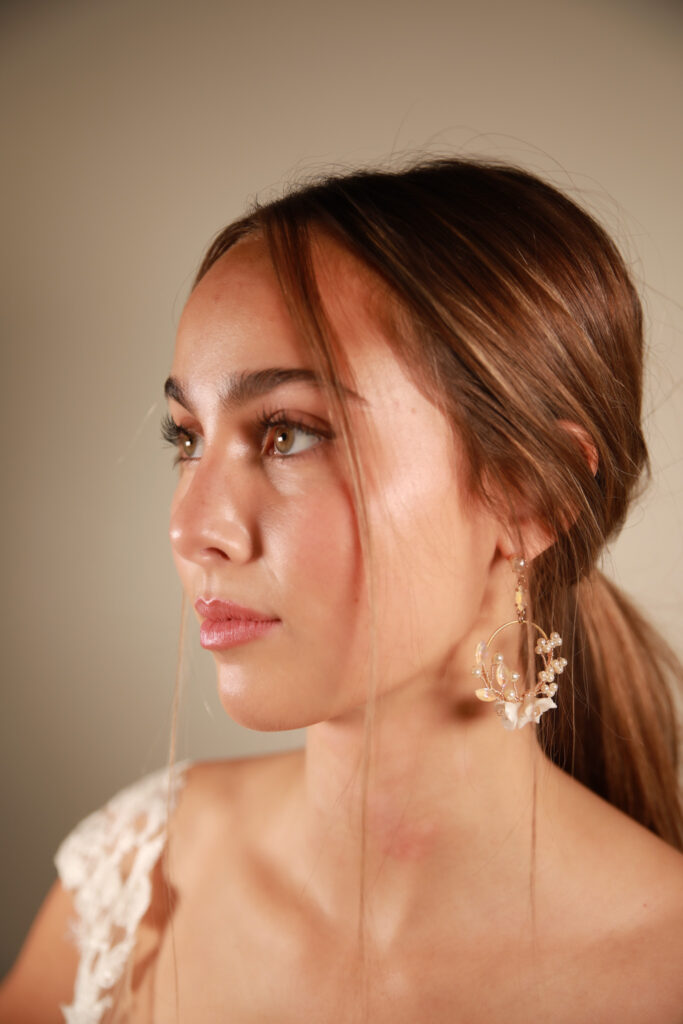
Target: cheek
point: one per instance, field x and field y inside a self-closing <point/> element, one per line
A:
<point x="431" y="565"/>
<point x="312" y="550"/>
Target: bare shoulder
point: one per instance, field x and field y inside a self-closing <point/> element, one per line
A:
<point x="620" y="900"/>
<point x="617" y="847"/>
<point x="649" y="876"/>
<point x="221" y="802"/>
<point x="643" y="947"/>
<point x="43" y="976"/>
<point x="229" y="800"/>
<point x="231" y="782"/>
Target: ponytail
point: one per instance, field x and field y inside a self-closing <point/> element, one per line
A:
<point x="615" y="729"/>
<point x="516" y="314"/>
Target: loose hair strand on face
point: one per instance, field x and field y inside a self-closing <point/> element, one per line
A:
<point x="516" y="314"/>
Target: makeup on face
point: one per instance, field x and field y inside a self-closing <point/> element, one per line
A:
<point x="264" y="515"/>
<point x="226" y="624"/>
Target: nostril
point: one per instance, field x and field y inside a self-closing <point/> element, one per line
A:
<point x="212" y="552"/>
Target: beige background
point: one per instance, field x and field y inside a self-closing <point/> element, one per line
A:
<point x="132" y="130"/>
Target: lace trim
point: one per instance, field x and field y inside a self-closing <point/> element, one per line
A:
<point x="110" y="902"/>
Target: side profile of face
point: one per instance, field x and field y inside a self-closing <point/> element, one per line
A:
<point x="263" y="515"/>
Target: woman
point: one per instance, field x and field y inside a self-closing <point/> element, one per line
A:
<point x="406" y="412"/>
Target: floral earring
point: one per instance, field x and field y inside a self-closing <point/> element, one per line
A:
<point x="515" y="708"/>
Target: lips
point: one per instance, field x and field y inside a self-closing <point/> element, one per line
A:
<point x="226" y="624"/>
<point x="221" y="611"/>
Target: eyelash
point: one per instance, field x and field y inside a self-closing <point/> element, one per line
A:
<point x="173" y="434"/>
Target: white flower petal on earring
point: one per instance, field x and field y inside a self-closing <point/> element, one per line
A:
<point x="516" y="715"/>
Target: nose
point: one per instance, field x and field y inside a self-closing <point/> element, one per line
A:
<point x="210" y="520"/>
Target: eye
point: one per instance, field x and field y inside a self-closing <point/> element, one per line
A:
<point x="189" y="445"/>
<point x="287" y="438"/>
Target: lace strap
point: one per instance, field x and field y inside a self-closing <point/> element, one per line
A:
<point x="107" y="861"/>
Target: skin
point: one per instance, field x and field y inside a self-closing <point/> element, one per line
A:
<point x="271" y="531"/>
<point x="266" y="852"/>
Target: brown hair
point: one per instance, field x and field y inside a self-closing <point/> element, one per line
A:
<point x="516" y="312"/>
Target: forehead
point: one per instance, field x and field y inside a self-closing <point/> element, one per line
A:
<point x="238" y="316"/>
<point x="237" y="321"/>
<point x="236" y="304"/>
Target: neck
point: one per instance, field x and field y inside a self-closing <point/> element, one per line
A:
<point x="448" y="795"/>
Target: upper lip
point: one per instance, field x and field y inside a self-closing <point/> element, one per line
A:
<point x="220" y="611"/>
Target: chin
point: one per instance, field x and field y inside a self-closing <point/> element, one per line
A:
<point x="254" y="707"/>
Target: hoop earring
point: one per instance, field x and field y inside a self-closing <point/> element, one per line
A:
<point x="518" y="709"/>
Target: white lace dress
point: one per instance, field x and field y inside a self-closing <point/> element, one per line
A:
<point x="107" y="863"/>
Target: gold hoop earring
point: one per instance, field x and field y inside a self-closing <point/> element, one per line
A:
<point x="518" y="709"/>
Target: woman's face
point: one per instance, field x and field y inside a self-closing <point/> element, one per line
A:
<point x="263" y="514"/>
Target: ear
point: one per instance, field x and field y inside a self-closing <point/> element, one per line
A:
<point x="584" y="441"/>
<point x="528" y="535"/>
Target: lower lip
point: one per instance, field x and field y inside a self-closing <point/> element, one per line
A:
<point x="220" y="635"/>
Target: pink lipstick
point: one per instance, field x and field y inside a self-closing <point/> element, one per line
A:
<point x="226" y="624"/>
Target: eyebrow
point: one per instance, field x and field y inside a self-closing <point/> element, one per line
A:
<point x="240" y="388"/>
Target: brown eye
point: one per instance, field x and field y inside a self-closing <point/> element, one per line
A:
<point x="188" y="445"/>
<point x="284" y="440"/>
<point x="290" y="439"/>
